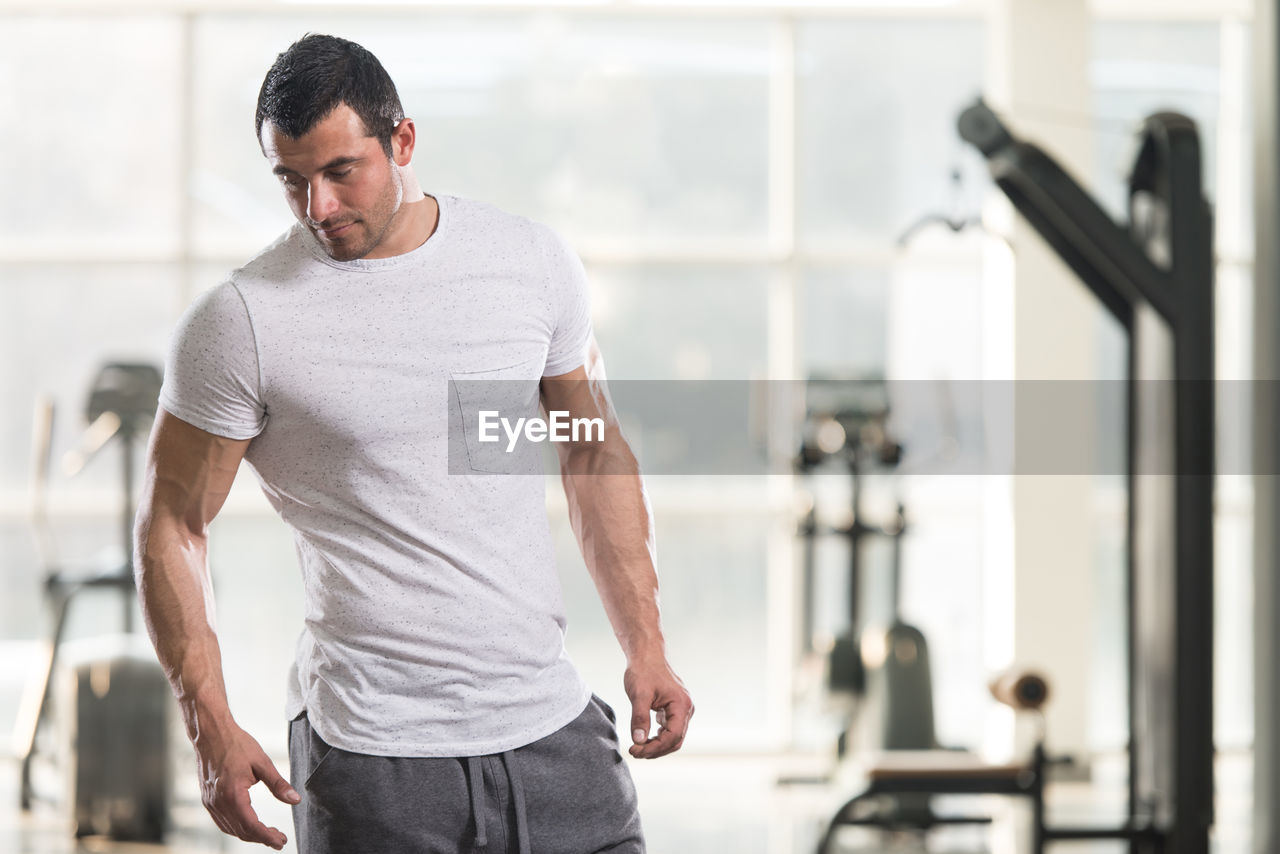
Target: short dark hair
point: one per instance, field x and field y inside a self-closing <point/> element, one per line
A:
<point x="316" y="74"/>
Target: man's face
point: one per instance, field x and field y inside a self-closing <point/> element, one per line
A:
<point x="338" y="181"/>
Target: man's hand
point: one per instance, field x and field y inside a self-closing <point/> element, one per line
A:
<point x="654" y="689"/>
<point x="228" y="767"/>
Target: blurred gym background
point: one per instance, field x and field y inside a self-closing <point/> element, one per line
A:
<point x="759" y="191"/>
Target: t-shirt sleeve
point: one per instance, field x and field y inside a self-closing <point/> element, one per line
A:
<point x="211" y="377"/>
<point x="571" y="302"/>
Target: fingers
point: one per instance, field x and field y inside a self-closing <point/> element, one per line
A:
<point x="242" y="822"/>
<point x="232" y="811"/>
<point x="640" y="724"/>
<point x="247" y="825"/>
<point x="673" y="720"/>
<point x="653" y="687"/>
<point x="266" y="771"/>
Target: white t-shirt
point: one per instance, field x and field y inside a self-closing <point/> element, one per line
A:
<point x="434" y="624"/>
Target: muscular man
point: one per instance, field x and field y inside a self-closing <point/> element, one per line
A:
<point x="432" y="706"/>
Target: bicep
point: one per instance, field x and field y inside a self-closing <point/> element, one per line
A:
<point x="582" y="391"/>
<point x="583" y="394"/>
<point x="189" y="471"/>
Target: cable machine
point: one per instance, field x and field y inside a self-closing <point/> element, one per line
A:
<point x="1155" y="275"/>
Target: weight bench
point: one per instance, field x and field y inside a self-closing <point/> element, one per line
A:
<point x="917" y="775"/>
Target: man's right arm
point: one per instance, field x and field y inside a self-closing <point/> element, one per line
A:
<point x="188" y="476"/>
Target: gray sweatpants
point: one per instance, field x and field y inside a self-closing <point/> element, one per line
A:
<point x="568" y="793"/>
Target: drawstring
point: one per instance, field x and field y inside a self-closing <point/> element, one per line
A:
<point x="517" y="797"/>
<point x="475" y="779"/>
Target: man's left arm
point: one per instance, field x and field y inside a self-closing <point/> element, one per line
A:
<point x="613" y="522"/>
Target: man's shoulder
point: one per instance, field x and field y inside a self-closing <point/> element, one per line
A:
<point x="282" y="260"/>
<point x="469" y="213"/>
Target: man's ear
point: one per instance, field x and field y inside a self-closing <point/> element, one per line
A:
<point x="403" y="137"/>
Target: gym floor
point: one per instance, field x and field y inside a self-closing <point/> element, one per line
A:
<point x="692" y="805"/>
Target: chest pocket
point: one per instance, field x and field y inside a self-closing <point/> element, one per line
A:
<point x="485" y="409"/>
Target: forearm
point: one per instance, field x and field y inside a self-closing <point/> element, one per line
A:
<point x="613" y="522"/>
<point x="176" y="595"/>
<point x="189" y="474"/>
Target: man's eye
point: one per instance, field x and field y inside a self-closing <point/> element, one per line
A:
<point x="344" y="173"/>
<point x="291" y="181"/>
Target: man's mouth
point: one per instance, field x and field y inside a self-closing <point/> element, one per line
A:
<point x="334" y="231"/>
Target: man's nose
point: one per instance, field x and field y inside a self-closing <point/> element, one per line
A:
<point x="321" y="201"/>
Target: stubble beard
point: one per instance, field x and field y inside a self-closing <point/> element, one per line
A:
<point x="376" y="223"/>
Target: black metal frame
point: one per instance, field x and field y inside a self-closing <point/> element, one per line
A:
<point x="1146" y="278"/>
<point x="1172" y="667"/>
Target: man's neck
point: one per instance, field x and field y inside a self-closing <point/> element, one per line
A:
<point x="412" y="225"/>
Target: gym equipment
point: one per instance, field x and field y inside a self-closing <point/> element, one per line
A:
<point x="1158" y="282"/>
<point x="122" y="702"/>
<point x="924" y="774"/>
<point x="1155" y="276"/>
<point x="884" y="666"/>
<point x="845" y="421"/>
<point x="120" y="774"/>
<point x="955" y="220"/>
<point x="928" y="773"/>
<point x="1020" y="690"/>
